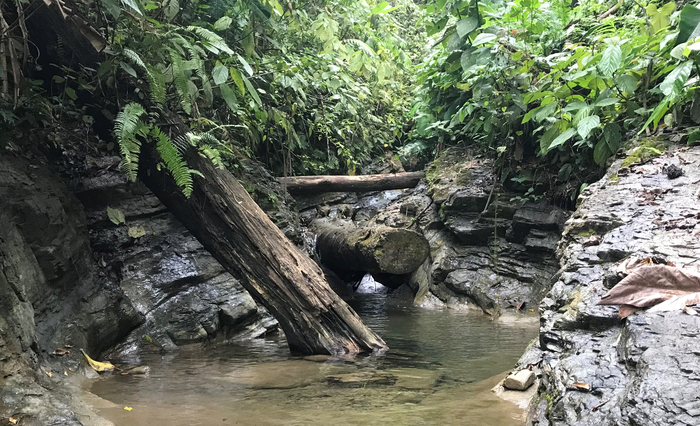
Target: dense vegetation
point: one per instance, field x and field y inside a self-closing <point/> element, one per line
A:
<point x="324" y="86"/>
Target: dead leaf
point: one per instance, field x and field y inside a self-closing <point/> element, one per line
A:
<point x="653" y="285"/>
<point x="136" y="232"/>
<point x="582" y="385"/>
<point x="690" y="311"/>
<point x="97" y="365"/>
<point x="48" y="373"/>
<point x="128" y="408"/>
<point x="13" y="420"/>
<point x="65" y="373"/>
<point x="61" y="351"/>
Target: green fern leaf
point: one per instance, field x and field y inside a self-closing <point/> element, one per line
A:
<point x="127" y="127"/>
<point x="211" y="41"/>
<point x="181" y="82"/>
<point x="173" y="161"/>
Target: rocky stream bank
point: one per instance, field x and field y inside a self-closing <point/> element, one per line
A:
<point x="71" y="278"/>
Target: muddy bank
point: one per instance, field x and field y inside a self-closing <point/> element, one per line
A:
<point x="642" y="370"/>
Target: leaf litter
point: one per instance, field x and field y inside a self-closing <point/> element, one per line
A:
<point x="660" y="287"/>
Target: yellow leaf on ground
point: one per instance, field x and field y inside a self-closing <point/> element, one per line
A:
<point x="128" y="408"/>
<point x="12" y="420"/>
<point x="97" y="365"/>
<point x="48" y="373"/>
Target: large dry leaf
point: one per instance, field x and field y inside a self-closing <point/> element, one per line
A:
<point x="652" y="285"/>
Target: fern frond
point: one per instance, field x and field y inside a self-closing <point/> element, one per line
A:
<point x="127" y="127"/>
<point x="210" y="40"/>
<point x="155" y="79"/>
<point x="173" y="161"/>
<point x="212" y="154"/>
<point x="181" y="82"/>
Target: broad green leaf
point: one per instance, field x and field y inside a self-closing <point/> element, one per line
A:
<point x="675" y="80"/>
<point x="612" y="133"/>
<point x="561" y="139"/>
<point x="171" y="8"/>
<point x="229" y="97"/>
<point x="626" y="83"/>
<point x="601" y="153"/>
<point x="484" y="38"/>
<point x="246" y="65"/>
<point x="219" y="74"/>
<point x="467" y="25"/>
<point x="70" y="92"/>
<point x="586" y="125"/>
<point x="251" y="90"/>
<point x="223" y="23"/>
<point x="610" y="61"/>
<point x="547" y="138"/>
<point x="606" y="102"/>
<point x="115" y="216"/>
<point x="660" y="17"/>
<point x="236" y="76"/>
<point x="133" y="5"/>
<point x="658" y="113"/>
<point x="112" y="7"/>
<point x="383" y="7"/>
<point x="689" y="25"/>
<point x="564" y="172"/>
<point x="454" y="42"/>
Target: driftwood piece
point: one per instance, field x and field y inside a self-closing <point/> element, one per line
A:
<point x="383" y="182"/>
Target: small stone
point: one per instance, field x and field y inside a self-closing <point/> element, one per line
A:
<point x="520" y="381"/>
<point x="673" y="171"/>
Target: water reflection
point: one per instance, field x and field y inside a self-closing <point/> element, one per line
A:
<point x="438" y="372"/>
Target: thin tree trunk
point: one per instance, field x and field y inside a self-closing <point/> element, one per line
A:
<point x="316" y="184"/>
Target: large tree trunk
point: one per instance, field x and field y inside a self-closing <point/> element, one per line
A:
<point x="228" y="223"/>
<point x="379" y="249"/>
<point x="316" y="184"/>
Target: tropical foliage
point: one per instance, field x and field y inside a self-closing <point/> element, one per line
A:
<point x="567" y="84"/>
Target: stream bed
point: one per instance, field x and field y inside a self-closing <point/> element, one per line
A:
<point x="439" y="371"/>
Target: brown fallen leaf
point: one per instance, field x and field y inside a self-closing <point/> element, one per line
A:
<point x="61" y="351"/>
<point x="582" y="385"/>
<point x="652" y="285"/>
<point x="48" y="373"/>
<point x="13" y="420"/>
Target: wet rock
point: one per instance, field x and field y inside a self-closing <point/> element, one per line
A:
<point x="519" y="381"/>
<point x="51" y="295"/>
<point x="184" y="295"/>
<point x="639" y="369"/>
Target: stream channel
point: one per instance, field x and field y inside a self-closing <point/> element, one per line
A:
<point x="439" y="371"/>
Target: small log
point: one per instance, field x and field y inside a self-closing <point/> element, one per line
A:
<point x="316" y="184"/>
<point x="379" y="249"/>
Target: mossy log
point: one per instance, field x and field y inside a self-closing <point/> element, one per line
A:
<point x="379" y="249"/>
<point x="383" y="182"/>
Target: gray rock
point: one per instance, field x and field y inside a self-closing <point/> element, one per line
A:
<point x="641" y="370"/>
<point x="519" y="381"/>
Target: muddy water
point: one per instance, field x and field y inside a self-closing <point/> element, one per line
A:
<point x="439" y="372"/>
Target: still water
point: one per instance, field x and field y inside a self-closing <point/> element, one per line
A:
<point x="439" y="371"/>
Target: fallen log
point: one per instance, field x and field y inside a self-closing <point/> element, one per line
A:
<point x="228" y="223"/>
<point x="316" y="184"/>
<point x="379" y="249"/>
<point x="278" y="275"/>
